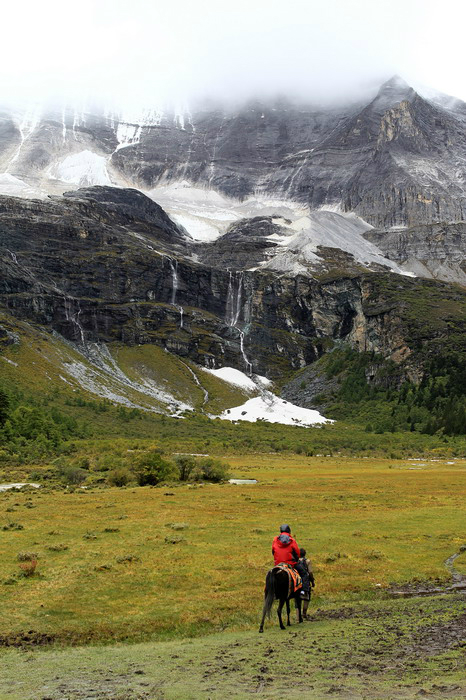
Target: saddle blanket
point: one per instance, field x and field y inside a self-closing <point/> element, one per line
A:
<point x="294" y="579"/>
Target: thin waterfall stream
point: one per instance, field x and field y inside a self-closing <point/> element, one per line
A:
<point x="233" y="311"/>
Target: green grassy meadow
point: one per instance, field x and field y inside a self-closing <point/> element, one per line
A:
<point x="155" y="592"/>
<point x="169" y="561"/>
<point x="397" y="650"/>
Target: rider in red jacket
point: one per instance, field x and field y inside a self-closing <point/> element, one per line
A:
<point x="284" y="547"/>
<point x="285" y="550"/>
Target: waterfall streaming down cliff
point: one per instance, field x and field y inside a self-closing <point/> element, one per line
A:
<point x="26" y="127"/>
<point x="233" y="311"/>
<point x="72" y="315"/>
<point x="234" y="298"/>
<point x="174" y="269"/>
<point x="245" y="357"/>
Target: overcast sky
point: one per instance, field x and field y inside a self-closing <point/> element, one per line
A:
<point x="136" y="52"/>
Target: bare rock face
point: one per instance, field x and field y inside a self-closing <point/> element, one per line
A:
<point x="114" y="206"/>
<point x="105" y="262"/>
<point x="437" y="251"/>
<point x="100" y="265"/>
<point x="245" y="244"/>
<point x="397" y="160"/>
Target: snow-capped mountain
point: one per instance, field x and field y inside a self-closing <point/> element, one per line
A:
<point x="254" y="239"/>
<point x="397" y="163"/>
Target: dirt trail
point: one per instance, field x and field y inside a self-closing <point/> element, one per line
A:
<point x="427" y="588"/>
<point x="456" y="576"/>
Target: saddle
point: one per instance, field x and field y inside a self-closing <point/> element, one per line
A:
<point x="294" y="579"/>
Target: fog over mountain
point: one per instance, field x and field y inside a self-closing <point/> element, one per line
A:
<point x="142" y="54"/>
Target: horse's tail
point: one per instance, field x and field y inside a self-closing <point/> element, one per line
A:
<point x="269" y="592"/>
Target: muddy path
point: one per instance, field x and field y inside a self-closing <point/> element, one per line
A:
<point x="450" y="565"/>
<point x="429" y="588"/>
<point x="399" y="649"/>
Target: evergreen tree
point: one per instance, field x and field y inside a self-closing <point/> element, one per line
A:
<point x="4" y="407"/>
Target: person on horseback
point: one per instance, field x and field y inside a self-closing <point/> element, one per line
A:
<point x="280" y="583"/>
<point x="286" y="551"/>
<point x="284" y="547"/>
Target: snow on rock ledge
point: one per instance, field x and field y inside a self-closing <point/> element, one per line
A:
<point x="272" y="409"/>
<point x="84" y="169"/>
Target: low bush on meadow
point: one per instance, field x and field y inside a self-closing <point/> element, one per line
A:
<point x="151" y="469"/>
<point x="119" y="477"/>
<point x="27" y="563"/>
<point x="191" y="468"/>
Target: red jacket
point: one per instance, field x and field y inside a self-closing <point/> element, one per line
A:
<point x="285" y="549"/>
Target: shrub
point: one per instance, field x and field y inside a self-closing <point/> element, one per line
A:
<point x="27" y="556"/>
<point x="152" y="468"/>
<point x="84" y="463"/>
<point x="118" y="477"/>
<point x="332" y="558"/>
<point x="127" y="559"/>
<point x="28" y="568"/>
<point x="103" y="567"/>
<point x="57" y="547"/>
<point x="213" y="470"/>
<point x="373" y="554"/>
<point x="72" y="475"/>
<point x="174" y="539"/>
<point x="13" y="526"/>
<point x="178" y="526"/>
<point x="186" y="465"/>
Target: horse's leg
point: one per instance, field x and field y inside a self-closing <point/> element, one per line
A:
<point x="264" y="613"/>
<point x="279" y="613"/>
<point x="269" y="597"/>
<point x="288" y="612"/>
<point x="265" y="610"/>
<point x="298" y="605"/>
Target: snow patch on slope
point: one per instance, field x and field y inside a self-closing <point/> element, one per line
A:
<point x="84" y="169"/>
<point x="203" y="213"/>
<point x="99" y="373"/>
<point x="272" y="409"/>
<point x="127" y="135"/>
<point x="18" y="485"/>
<point x="206" y="214"/>
<point x="238" y="378"/>
<point x="266" y="407"/>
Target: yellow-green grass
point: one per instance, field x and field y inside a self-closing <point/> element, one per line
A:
<point x="176" y="376"/>
<point x="365" y="523"/>
<point x="38" y="365"/>
<point x="392" y="649"/>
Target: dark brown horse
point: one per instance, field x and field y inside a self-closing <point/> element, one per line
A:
<point x="277" y="586"/>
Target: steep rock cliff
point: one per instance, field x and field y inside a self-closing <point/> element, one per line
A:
<point x="121" y="272"/>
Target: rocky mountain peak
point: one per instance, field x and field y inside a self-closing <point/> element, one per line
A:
<point x="128" y="206"/>
<point x="393" y="92"/>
